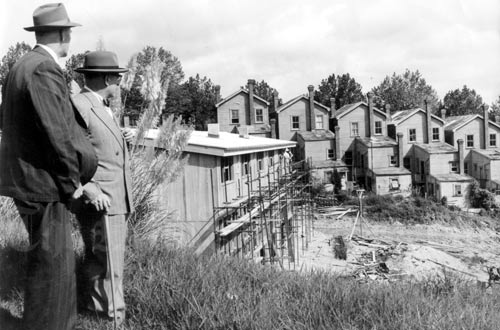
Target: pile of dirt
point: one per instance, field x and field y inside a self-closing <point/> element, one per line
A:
<point x="379" y="251"/>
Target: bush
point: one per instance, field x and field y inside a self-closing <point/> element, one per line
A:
<point x="481" y="197"/>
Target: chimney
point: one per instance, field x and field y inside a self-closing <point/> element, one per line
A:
<point x="312" y="119"/>
<point x="217" y="94"/>
<point x="371" y="123"/>
<point x="428" y="121"/>
<point x="273" y="128"/>
<point x="338" y="152"/>
<point x="443" y="114"/>
<point x="460" y="143"/>
<point x="400" y="150"/>
<point x="213" y="130"/>
<point x="333" y="108"/>
<point x="275" y="100"/>
<point x="388" y="112"/>
<point x="243" y="131"/>
<point x="486" y="121"/>
<point x="251" y="111"/>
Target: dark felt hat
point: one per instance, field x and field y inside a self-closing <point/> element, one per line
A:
<point x="49" y="17"/>
<point x="101" y="61"/>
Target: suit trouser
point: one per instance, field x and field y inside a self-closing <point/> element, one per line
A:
<point x="95" y="266"/>
<point x="50" y="288"/>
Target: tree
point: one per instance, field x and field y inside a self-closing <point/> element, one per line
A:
<point x="263" y="90"/>
<point x="343" y="88"/>
<point x="72" y="63"/>
<point x="405" y="91"/>
<point x="495" y="109"/>
<point x="462" y="102"/>
<point x="194" y="100"/>
<point x="134" y="85"/>
<point x="13" y="54"/>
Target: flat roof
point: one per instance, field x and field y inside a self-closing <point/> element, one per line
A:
<point x="492" y="154"/>
<point x="436" y="147"/>
<point x="452" y="177"/>
<point x="227" y="144"/>
<point x="388" y="171"/>
<point x="377" y="141"/>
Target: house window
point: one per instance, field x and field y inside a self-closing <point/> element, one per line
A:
<point x="295" y="122"/>
<point x="354" y="129"/>
<point x="260" y="161"/>
<point x="394" y="184"/>
<point x="271" y="157"/>
<point x="330" y="154"/>
<point x="393" y="160"/>
<point x="378" y="127"/>
<point x="470" y="141"/>
<point x="245" y="164"/>
<point x="453" y="167"/>
<point x="235" y="116"/>
<point x="493" y="140"/>
<point x="227" y="169"/>
<point x="435" y="134"/>
<point x="259" y="116"/>
<point x="466" y="168"/>
<point x="319" y="122"/>
<point x="412" y="134"/>
<point x="457" y="190"/>
<point x="407" y="163"/>
<point x="348" y="157"/>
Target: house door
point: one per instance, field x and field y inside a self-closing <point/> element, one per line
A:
<point x="422" y="170"/>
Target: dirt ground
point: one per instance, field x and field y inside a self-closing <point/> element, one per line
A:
<point x="417" y="251"/>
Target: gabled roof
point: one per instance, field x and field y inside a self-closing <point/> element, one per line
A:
<point x="241" y="90"/>
<point x="400" y="116"/>
<point x="455" y="122"/>
<point x="317" y="135"/>
<point x="298" y="98"/>
<point x="350" y="107"/>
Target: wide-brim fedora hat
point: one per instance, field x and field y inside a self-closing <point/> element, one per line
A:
<point x="49" y="17"/>
<point x="101" y="61"/>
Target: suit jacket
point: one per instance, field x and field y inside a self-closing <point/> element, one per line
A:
<point x="44" y="151"/>
<point x="113" y="172"/>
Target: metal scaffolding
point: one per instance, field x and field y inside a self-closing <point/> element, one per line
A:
<point x="273" y="223"/>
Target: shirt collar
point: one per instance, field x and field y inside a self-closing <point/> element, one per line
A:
<point x="51" y="52"/>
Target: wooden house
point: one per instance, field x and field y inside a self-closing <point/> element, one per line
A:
<point x="244" y="108"/>
<point x="223" y="168"/>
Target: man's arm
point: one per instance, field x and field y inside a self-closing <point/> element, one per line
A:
<point x="49" y="95"/>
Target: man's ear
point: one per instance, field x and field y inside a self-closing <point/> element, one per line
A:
<point x="106" y="80"/>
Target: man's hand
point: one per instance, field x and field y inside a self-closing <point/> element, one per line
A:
<point x="128" y="134"/>
<point x="101" y="202"/>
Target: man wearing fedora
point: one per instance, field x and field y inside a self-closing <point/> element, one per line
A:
<point x="110" y="186"/>
<point x="46" y="157"/>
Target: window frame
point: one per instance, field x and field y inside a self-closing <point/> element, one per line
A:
<point x="330" y="153"/>
<point x="378" y="130"/>
<point x="410" y="139"/>
<point x="292" y="123"/>
<point x="493" y="140"/>
<point x="393" y="160"/>
<point x="245" y="164"/>
<point x="354" y="132"/>
<point x="435" y="132"/>
<point x="391" y="186"/>
<point x="471" y="140"/>
<point x="227" y="168"/>
<point x="260" y="161"/>
<point x="457" y="192"/>
<point x="237" y="118"/>
<point x="316" y="122"/>
<point x="261" y="115"/>
<point x="454" y="166"/>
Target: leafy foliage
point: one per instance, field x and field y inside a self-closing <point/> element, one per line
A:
<point x="495" y="109"/>
<point x="193" y="100"/>
<point x="405" y="91"/>
<point x="462" y="102"/>
<point x="74" y="61"/>
<point x="343" y="88"/>
<point x="263" y="90"/>
<point x="481" y="197"/>
<point x="134" y="82"/>
<point x="8" y="60"/>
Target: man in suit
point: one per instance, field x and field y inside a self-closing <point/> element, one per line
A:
<point x="111" y="184"/>
<point x="45" y="157"/>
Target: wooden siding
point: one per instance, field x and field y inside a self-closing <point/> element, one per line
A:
<point x="300" y="109"/>
<point x="240" y="102"/>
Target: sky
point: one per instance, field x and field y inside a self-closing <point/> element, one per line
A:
<point x="292" y="44"/>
